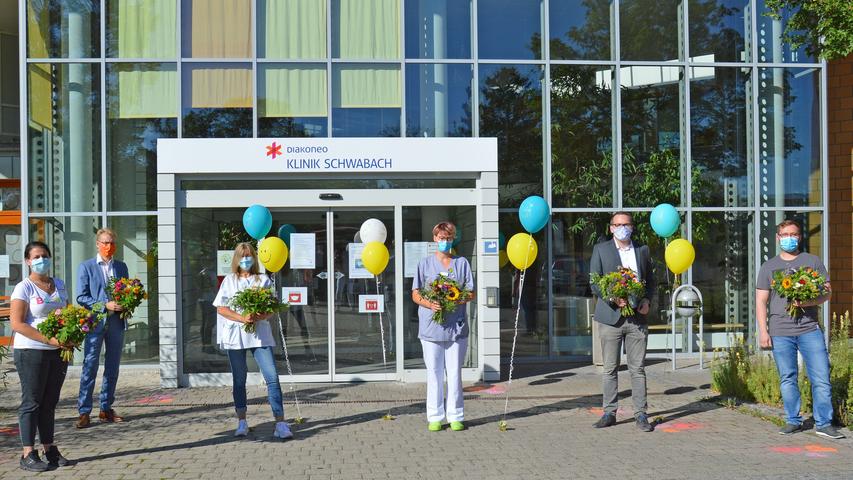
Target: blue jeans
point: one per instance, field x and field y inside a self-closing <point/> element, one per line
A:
<point x="266" y="362"/>
<point x="111" y="333"/>
<point x="813" y="349"/>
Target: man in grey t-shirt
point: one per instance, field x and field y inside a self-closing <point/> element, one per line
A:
<point x="787" y="335"/>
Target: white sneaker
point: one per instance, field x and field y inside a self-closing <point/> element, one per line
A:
<point x="242" y="429"/>
<point x="282" y="431"/>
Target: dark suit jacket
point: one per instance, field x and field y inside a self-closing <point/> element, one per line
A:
<point x="91" y="287"/>
<point x="605" y="259"/>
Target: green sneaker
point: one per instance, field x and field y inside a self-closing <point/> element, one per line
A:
<point x="434" y="426"/>
<point x="457" y="426"/>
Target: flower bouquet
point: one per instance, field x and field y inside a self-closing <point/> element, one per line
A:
<point x="621" y="284"/>
<point x="127" y="292"/>
<point x="799" y="285"/>
<point x="70" y="325"/>
<point x="256" y="301"/>
<point x="446" y="292"/>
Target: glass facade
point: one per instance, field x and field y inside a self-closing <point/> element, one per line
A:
<point x="628" y="104"/>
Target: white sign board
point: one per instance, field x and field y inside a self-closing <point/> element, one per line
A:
<point x="303" y="251"/>
<point x="313" y="155"/>
<point x="356" y="267"/>
<point x="295" y="295"/>
<point x="223" y="262"/>
<point x="413" y="253"/>
<point x="371" y="304"/>
<point x="4" y="266"/>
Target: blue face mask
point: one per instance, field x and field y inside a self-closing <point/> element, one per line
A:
<point x="246" y="263"/>
<point x="444" y="246"/>
<point x="40" y="265"/>
<point x="789" y="244"/>
<point x="622" y="233"/>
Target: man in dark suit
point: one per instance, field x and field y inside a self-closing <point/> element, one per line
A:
<point x="93" y="278"/>
<point x="614" y="328"/>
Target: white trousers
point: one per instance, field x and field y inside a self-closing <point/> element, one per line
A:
<point x="438" y="357"/>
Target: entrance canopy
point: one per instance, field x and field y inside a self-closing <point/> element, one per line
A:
<point x="324" y="187"/>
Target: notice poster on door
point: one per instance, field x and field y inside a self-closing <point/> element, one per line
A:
<point x="303" y="251"/>
<point x="223" y="262"/>
<point x="295" y="295"/>
<point x="356" y="267"/>
<point x="371" y="304"/>
<point x="413" y="253"/>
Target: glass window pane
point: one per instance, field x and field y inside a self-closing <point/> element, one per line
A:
<point x="366" y="29"/>
<point x="509" y="29"/>
<point x="649" y="29"/>
<point x="292" y="29"/>
<point x="216" y="28"/>
<point x="651" y="136"/>
<point x="812" y="241"/>
<point x="658" y="317"/>
<point x="62" y="29"/>
<point x="581" y="30"/>
<point x="142" y="28"/>
<point x="718" y="30"/>
<point x="511" y="110"/>
<point x="366" y="100"/>
<point x="789" y="136"/>
<point x="725" y="274"/>
<point x="217" y="100"/>
<point x="438" y="100"/>
<point x="9" y="93"/>
<point x="574" y="235"/>
<point x="770" y="46"/>
<point x="582" y="136"/>
<point x="292" y="100"/>
<point x="64" y="118"/>
<point x="142" y="106"/>
<point x="721" y="137"/>
<point x="438" y="29"/>
<point x="136" y="246"/>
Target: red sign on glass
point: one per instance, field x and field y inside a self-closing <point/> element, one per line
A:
<point x="371" y="305"/>
<point x="294" y="297"/>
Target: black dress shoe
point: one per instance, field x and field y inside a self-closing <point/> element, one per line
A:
<point x="55" y="459"/>
<point x="606" y="420"/>
<point x="32" y="463"/>
<point x="643" y="423"/>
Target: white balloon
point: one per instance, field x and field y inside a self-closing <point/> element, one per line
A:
<point x="373" y="230"/>
<point x="357" y="238"/>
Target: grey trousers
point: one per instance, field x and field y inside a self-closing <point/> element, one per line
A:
<point x="635" y="335"/>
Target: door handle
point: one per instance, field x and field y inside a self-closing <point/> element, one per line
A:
<point x="323" y="275"/>
<point x="338" y="275"/>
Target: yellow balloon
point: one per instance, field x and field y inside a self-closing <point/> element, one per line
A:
<point x="272" y="253"/>
<point x="502" y="258"/>
<point x="375" y="257"/>
<point x="521" y="250"/>
<point x="679" y="256"/>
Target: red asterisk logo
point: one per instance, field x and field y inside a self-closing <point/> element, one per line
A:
<point x="273" y="150"/>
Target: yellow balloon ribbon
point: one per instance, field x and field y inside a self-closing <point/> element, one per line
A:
<point x="679" y="256"/>
<point x="375" y="257"/>
<point x="522" y="250"/>
<point x="272" y="253"/>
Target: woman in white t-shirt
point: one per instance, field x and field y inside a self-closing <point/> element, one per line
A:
<point x="37" y="360"/>
<point x="231" y="337"/>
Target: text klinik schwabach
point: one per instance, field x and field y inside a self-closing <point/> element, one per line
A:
<point x="339" y="163"/>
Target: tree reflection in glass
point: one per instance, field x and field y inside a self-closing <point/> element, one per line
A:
<point x="581" y="29"/>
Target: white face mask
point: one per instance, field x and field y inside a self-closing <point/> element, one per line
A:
<point x="622" y="233"/>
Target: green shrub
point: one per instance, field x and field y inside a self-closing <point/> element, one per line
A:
<point x="745" y="376"/>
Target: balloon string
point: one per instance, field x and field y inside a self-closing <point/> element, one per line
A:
<point x="382" y="335"/>
<point x="515" y="328"/>
<point x="298" y="418"/>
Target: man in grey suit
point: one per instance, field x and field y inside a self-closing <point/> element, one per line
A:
<point x="614" y="328"/>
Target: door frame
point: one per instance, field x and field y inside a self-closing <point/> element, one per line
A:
<point x="353" y="200"/>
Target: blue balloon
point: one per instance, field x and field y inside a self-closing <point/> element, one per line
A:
<point x="284" y="232"/>
<point x="501" y="241"/>
<point x="257" y="221"/>
<point x="534" y="213"/>
<point x="665" y="220"/>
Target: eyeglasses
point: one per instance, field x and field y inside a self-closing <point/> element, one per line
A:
<point x="106" y="243"/>
<point x="789" y="235"/>
<point x="617" y="225"/>
<point x="441" y="237"/>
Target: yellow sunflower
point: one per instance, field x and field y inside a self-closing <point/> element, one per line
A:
<point x="786" y="283"/>
<point x="453" y="295"/>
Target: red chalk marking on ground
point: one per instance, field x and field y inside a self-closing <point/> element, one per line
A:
<point x="788" y="450"/>
<point x="820" y="449"/>
<point x="477" y="388"/>
<point x="598" y="411"/>
<point x="155" y="399"/>
<point x="495" y="390"/>
<point x="9" y="431"/>
<point x="682" y="427"/>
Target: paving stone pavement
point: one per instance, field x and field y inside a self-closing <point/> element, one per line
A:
<point x="187" y="433"/>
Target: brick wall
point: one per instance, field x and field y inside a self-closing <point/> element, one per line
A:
<point x="841" y="183"/>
